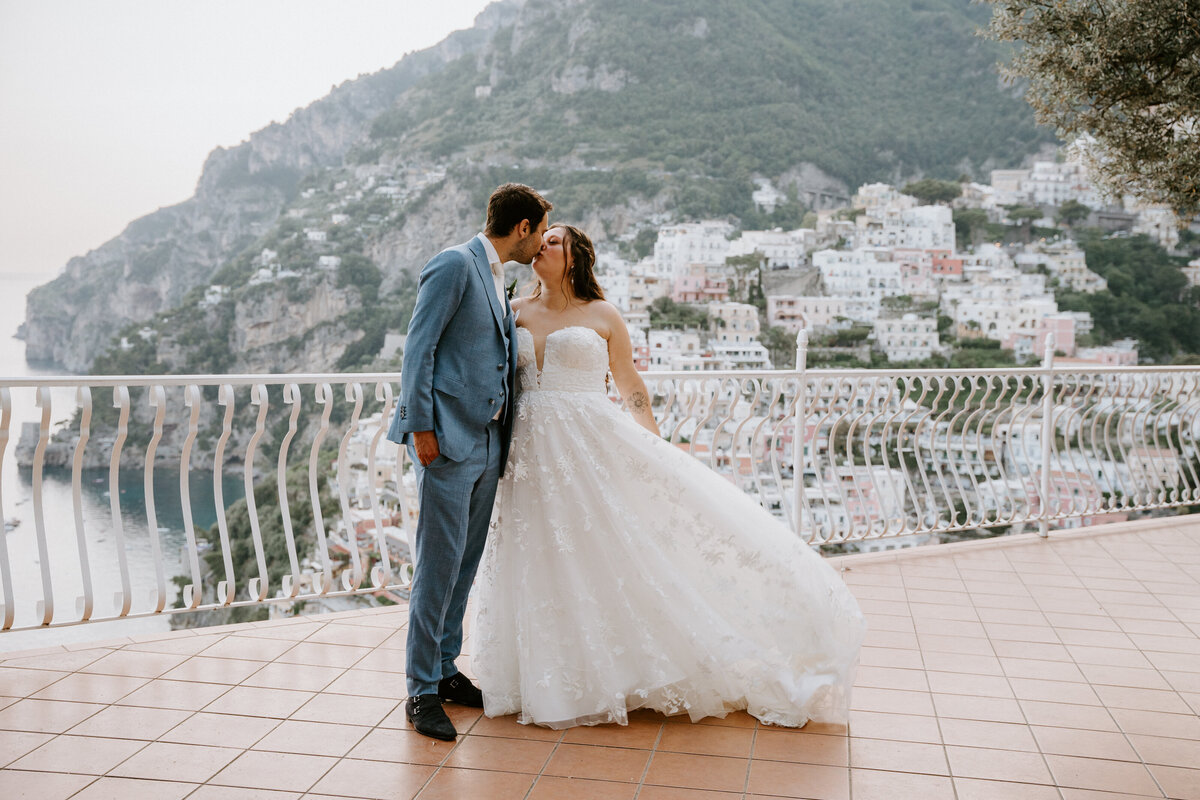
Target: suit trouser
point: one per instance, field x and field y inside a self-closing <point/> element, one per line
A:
<point x="456" y="509"/>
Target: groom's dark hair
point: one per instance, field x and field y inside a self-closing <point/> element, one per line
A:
<point x="510" y="204"/>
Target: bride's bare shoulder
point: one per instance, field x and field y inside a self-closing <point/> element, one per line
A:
<point x="606" y="315"/>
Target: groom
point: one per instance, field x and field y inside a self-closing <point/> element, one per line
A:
<point x="455" y="414"/>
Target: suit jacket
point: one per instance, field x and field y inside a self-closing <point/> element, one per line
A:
<point x="460" y="358"/>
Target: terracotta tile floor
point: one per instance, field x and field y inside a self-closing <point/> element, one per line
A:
<point x="1063" y="669"/>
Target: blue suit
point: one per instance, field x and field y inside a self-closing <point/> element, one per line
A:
<point x="459" y="370"/>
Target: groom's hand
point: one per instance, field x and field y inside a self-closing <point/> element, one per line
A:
<point x="427" y="446"/>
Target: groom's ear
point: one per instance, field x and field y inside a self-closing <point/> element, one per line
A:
<point x="524" y="227"/>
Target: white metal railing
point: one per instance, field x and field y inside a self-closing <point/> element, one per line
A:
<point x="882" y="454"/>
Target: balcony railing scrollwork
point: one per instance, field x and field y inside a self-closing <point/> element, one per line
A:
<point x="857" y="458"/>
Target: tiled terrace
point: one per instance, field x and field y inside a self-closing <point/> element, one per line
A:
<point x="1017" y="668"/>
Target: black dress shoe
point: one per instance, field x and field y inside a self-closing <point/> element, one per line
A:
<point x="459" y="689"/>
<point x="427" y="717"/>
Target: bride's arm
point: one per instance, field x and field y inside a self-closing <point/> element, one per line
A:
<point x="629" y="380"/>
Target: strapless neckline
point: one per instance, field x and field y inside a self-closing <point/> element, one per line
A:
<point x="541" y="366"/>
<point x="574" y="358"/>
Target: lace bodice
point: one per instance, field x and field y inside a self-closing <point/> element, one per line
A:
<point x="575" y="360"/>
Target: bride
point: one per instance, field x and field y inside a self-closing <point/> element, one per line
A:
<point x="622" y="572"/>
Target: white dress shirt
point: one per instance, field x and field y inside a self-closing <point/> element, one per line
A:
<point x="498" y="278"/>
<point x="497" y="267"/>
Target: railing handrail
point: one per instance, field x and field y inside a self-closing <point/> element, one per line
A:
<point x="844" y="455"/>
<point x="249" y="379"/>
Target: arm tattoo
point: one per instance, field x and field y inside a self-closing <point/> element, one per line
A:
<point x="638" y="402"/>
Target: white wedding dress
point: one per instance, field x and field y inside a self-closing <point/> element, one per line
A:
<point x="622" y="573"/>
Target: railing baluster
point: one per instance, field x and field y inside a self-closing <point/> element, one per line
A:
<point x="381" y="573"/>
<point x="776" y="449"/>
<point x="944" y="420"/>
<point x="324" y="397"/>
<point x="408" y="571"/>
<point x="226" y="589"/>
<point x="85" y="603"/>
<point x="260" y="585"/>
<point x="1189" y="420"/>
<point x="759" y="444"/>
<point x="193" y="593"/>
<point x="159" y="403"/>
<point x="45" y="607"/>
<point x="292" y="581"/>
<point x="991" y="417"/>
<point x="351" y="580"/>
<point x="799" y="422"/>
<point x="124" y="598"/>
<point x="8" y="607"/>
<point x="735" y="397"/>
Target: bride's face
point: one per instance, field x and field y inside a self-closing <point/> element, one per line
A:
<point x="551" y="261"/>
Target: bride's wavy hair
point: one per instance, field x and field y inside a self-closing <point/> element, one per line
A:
<point x="581" y="263"/>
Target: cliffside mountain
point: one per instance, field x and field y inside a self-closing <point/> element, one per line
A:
<point x="627" y="114"/>
<point x="242" y="191"/>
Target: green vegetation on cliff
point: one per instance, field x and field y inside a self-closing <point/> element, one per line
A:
<point x="1147" y="298"/>
<point x="702" y="95"/>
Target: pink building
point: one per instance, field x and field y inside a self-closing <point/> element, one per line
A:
<point x="945" y="265"/>
<point x="641" y="357"/>
<point x="1063" y="329"/>
<point x="700" y="289"/>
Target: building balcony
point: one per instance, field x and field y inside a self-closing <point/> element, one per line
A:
<point x="1059" y="662"/>
<point x="1065" y="668"/>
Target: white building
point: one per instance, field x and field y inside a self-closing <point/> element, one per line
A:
<point x="261" y="276"/>
<point x="920" y="227"/>
<point x="1159" y="223"/>
<point x="1083" y="321"/>
<point x="735" y="322"/>
<point x="881" y="195"/>
<point x="329" y="262"/>
<point x="779" y="249"/>
<point x="746" y="355"/>
<point x="1121" y="353"/>
<point x="795" y="312"/>
<point x="214" y="294"/>
<point x="612" y="273"/>
<point x="315" y="235"/>
<point x="906" y="338"/>
<point x="1052" y="183"/>
<point x="645" y="289"/>
<point x="976" y="195"/>
<point x="831" y="226"/>
<point x="997" y="302"/>
<point x="860" y="273"/>
<point x="680" y="246"/>
<point x="766" y="196"/>
<point x="1192" y="272"/>
<point x="986" y="256"/>
<point x="1008" y="187"/>
<point x="1065" y="262"/>
<point x="671" y="350"/>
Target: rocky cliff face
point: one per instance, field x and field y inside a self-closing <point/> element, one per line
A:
<point x="242" y="190"/>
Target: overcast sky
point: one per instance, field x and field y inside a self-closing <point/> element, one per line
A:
<point x="109" y="107"/>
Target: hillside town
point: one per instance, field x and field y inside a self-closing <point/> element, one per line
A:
<point x="889" y="267"/>
<point x="900" y="274"/>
